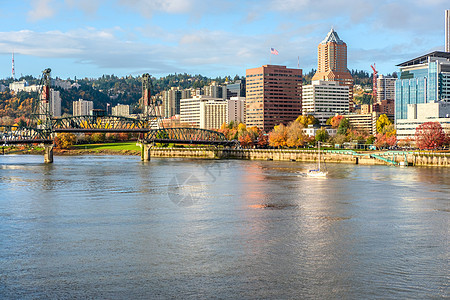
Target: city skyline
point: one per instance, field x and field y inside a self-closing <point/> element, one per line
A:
<point x="92" y="38"/>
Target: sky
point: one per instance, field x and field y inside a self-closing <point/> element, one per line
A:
<point x="89" y="38"/>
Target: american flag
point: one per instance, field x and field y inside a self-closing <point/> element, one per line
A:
<point x="273" y="51"/>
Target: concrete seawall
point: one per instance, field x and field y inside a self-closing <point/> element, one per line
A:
<point x="390" y="158"/>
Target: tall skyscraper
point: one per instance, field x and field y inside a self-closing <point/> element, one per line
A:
<point x="273" y="96"/>
<point x="332" y="62"/>
<point x="447" y="30"/>
<point x="423" y="79"/>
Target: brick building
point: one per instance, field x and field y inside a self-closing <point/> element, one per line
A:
<point x="273" y="96"/>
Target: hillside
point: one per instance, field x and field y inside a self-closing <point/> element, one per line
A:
<point x="124" y="90"/>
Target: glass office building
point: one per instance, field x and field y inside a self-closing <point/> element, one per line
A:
<point x="425" y="79"/>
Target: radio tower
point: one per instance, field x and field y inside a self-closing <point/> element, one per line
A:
<point x="13" y="71"/>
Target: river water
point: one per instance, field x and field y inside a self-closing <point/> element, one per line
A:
<point x="113" y="227"/>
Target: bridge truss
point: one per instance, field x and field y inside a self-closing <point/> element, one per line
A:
<point x="10" y="135"/>
<point x="99" y="124"/>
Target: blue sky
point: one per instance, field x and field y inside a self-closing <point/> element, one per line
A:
<point x="88" y="38"/>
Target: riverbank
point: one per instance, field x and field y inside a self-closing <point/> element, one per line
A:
<point x="305" y="155"/>
<point x="127" y="148"/>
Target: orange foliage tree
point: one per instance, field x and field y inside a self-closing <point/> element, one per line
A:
<point x="65" y="140"/>
<point x="278" y="136"/>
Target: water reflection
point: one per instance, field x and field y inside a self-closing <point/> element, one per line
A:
<point x="106" y="227"/>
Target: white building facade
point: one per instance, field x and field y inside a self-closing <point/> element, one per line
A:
<point x="422" y="113"/>
<point x="203" y="112"/>
<point x="82" y="107"/>
<point x="324" y="99"/>
<point x="121" y="110"/>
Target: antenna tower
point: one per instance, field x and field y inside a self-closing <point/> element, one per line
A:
<point x="13" y="71"/>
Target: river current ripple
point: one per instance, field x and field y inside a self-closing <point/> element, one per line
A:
<point x="113" y="227"/>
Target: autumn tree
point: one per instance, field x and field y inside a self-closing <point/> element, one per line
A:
<point x="65" y="140"/>
<point x="430" y="135"/>
<point x="335" y="121"/>
<point x="246" y="140"/>
<point x="278" y="136"/>
<point x="382" y="123"/>
<point x="384" y="140"/>
<point x="306" y="120"/>
<point x="262" y="139"/>
<point x="295" y="137"/>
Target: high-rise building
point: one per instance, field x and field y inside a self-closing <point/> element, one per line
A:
<point x="55" y="103"/>
<point x="215" y="91"/>
<point x="236" y="110"/>
<point x="82" y="107"/>
<point x="385" y="88"/>
<point x="332" y="62"/>
<point x="171" y="101"/>
<point x="423" y="79"/>
<point x="447" y="30"/>
<point x="236" y="89"/>
<point x="324" y="99"/>
<point x="273" y="96"/>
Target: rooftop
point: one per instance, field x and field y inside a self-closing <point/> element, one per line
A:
<point x="332" y="36"/>
<point x="424" y="58"/>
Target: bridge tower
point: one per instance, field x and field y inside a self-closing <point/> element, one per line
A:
<point x="149" y="106"/>
<point x="41" y="108"/>
<point x="42" y="113"/>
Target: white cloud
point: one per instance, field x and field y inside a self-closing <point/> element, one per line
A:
<point x="41" y="9"/>
<point x="148" y="7"/>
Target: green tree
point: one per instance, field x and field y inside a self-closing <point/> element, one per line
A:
<point x="344" y="125"/>
<point x="370" y="140"/>
<point x="322" y="135"/>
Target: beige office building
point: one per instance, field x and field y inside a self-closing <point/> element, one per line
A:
<point x="236" y="110"/>
<point x="386" y="88"/>
<point x="203" y="112"/>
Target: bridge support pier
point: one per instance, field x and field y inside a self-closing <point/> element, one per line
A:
<point x="145" y="152"/>
<point x="48" y="154"/>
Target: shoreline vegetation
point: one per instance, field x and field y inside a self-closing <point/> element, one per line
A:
<point x="123" y="148"/>
<point x="132" y="148"/>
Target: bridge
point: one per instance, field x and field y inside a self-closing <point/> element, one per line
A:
<point x="46" y="128"/>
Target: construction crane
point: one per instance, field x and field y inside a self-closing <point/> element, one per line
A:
<point x="374" y="88"/>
